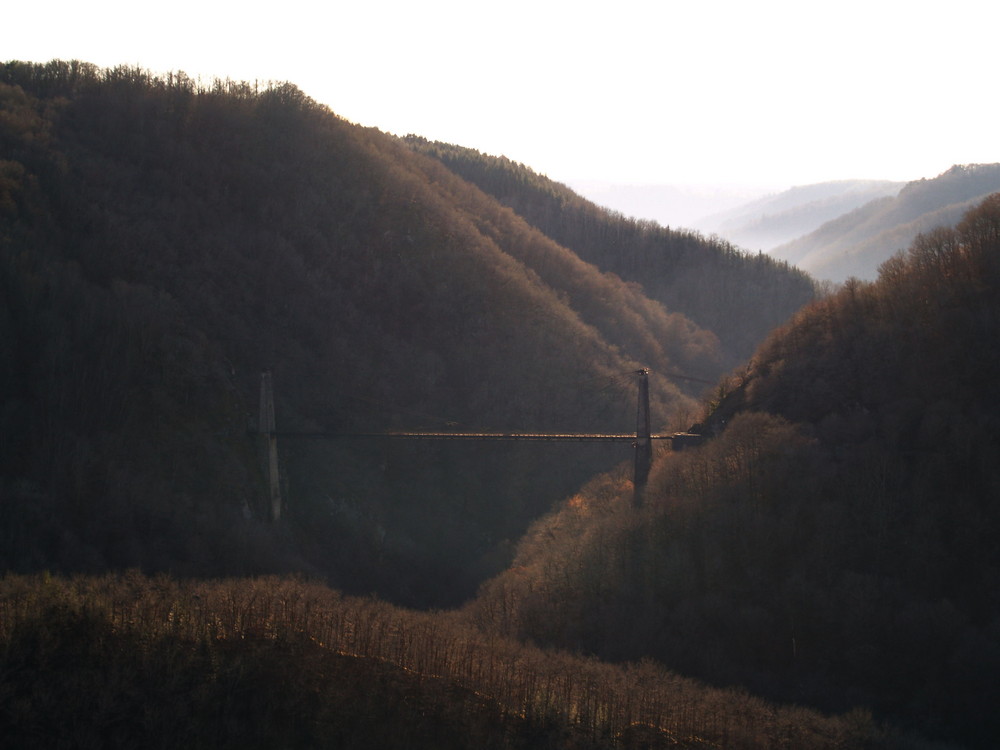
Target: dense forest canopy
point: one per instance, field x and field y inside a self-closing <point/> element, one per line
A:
<point x="164" y="241"/>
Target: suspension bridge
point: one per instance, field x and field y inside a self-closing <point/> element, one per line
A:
<point x="642" y="439"/>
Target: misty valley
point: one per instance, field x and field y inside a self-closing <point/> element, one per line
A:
<point x="722" y="503"/>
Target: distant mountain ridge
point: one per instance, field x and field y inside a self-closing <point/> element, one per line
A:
<point x="671" y="205"/>
<point x="776" y="219"/>
<point x="856" y="243"/>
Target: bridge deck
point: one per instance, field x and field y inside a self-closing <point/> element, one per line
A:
<point x="567" y="437"/>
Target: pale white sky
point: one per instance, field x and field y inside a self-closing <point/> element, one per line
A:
<point x="775" y="92"/>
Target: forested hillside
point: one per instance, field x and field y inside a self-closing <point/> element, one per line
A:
<point x="164" y="242"/>
<point x="856" y="243"/>
<point x="835" y="543"/>
<point x="741" y="297"/>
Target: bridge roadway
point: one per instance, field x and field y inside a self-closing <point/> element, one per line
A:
<point x="512" y="436"/>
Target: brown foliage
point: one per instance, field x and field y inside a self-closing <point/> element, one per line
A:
<point x="116" y="660"/>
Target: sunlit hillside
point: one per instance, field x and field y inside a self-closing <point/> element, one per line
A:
<point x="737" y="295"/>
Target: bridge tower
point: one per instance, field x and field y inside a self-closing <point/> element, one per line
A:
<point x="269" y="438"/>
<point x="643" y="439"/>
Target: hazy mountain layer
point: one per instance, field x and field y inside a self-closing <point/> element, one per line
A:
<point x="676" y="206"/>
<point x="776" y="219"/>
<point x="856" y="243"/>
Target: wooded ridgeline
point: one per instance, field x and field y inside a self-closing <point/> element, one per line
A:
<point x="119" y="660"/>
